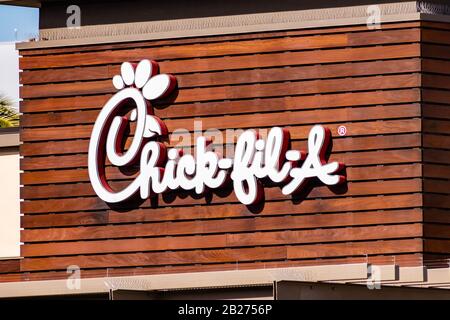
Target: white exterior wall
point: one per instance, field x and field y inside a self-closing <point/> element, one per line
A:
<point x="9" y="72"/>
<point x="9" y="158"/>
<point x="9" y="204"/>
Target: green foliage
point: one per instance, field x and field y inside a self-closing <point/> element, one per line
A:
<point x="9" y="117"/>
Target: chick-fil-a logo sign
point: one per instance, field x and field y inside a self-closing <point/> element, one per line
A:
<point x="162" y="169"/>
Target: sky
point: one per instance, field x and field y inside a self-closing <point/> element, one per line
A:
<point x="16" y="24"/>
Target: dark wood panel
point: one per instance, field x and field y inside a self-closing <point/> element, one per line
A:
<point x="435" y="215"/>
<point x="236" y="106"/>
<point x="353" y="189"/>
<point x="436" y="246"/>
<point x="247" y="120"/>
<point x="362" y="129"/>
<point x="434" y="25"/>
<point x="41" y="76"/>
<point x="437" y="200"/>
<point x="353" y="174"/>
<point x="67" y="89"/>
<point x="189" y="51"/>
<point x="243" y="121"/>
<point x="355" y="248"/>
<point x="227" y="255"/>
<point x="436" y="197"/>
<point x="219" y="210"/>
<point x="436" y="66"/>
<point x="156" y="258"/>
<point x="214" y="78"/>
<point x="436" y="141"/>
<point x="220" y="38"/>
<point x="251" y="239"/>
<point x="12" y="277"/>
<point x="436" y="156"/>
<point x="436" y="171"/>
<point x="441" y="231"/>
<point x="435" y="36"/>
<point x="300" y="87"/>
<point x="270" y="90"/>
<point x="339" y="145"/>
<point x="435" y="81"/>
<point x="435" y="51"/>
<point x="269" y="222"/>
<point x="290" y="59"/>
<point x="249" y="224"/>
<point x="11" y="265"/>
<point x="436" y="126"/>
<point x="63" y="117"/>
<point x="435" y="96"/>
<point x="293" y="58"/>
<point x="113" y="173"/>
<point x="436" y="111"/>
<point x="223" y="78"/>
<point x="60" y="104"/>
<point x="225" y="48"/>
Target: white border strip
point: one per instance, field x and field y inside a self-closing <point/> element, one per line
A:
<point x="186" y="280"/>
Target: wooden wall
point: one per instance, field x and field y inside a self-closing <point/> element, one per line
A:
<point x="367" y="80"/>
<point x="436" y="140"/>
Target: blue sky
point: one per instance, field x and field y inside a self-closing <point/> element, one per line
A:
<point x="25" y="20"/>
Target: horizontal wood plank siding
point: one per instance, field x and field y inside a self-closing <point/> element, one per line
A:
<point x="436" y="141"/>
<point x="371" y="81"/>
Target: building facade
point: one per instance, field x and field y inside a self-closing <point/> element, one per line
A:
<point x="361" y="88"/>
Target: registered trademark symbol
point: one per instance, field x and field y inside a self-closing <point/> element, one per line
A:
<point x="342" y="130"/>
